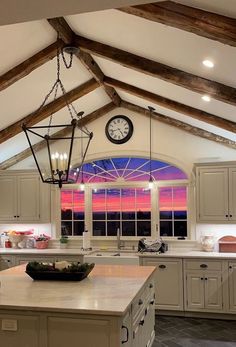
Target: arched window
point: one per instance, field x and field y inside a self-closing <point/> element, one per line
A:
<point x="117" y="196"/>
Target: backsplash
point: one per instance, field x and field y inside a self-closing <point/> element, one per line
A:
<point x="216" y="230"/>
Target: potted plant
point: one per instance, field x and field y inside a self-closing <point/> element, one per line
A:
<point x="64" y="241"/>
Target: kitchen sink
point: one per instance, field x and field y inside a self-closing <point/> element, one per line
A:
<point x="118" y="257"/>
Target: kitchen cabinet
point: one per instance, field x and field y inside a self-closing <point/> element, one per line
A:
<point x="22" y="259"/>
<point x="216" y="194"/>
<point x="25" y="198"/>
<point x="204" y="290"/>
<point x="232" y="286"/>
<point x="168" y="283"/>
<point x="19" y="330"/>
<point x="6" y="261"/>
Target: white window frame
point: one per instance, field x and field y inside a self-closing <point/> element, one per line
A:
<point x="155" y="222"/>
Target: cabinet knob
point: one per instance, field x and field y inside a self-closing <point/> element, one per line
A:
<point x="14" y="216"/>
<point x="206" y="279"/>
<point x="140" y="302"/>
<point x="17" y="216"/>
<point x="230" y="215"/>
<point x="141" y="322"/>
<point x="162" y="266"/>
<point x="150" y="285"/>
<point x="203" y="266"/>
<point x="152" y="302"/>
<point x="230" y="267"/>
<point x="227" y="215"/>
<point x="201" y="278"/>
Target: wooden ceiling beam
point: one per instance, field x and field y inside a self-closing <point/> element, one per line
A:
<point x="67" y="35"/>
<point x="183" y="79"/>
<point x="173" y="105"/>
<point x="200" y="22"/>
<point x="181" y="125"/>
<point x="29" y="65"/>
<point x="47" y="110"/>
<point x="41" y="145"/>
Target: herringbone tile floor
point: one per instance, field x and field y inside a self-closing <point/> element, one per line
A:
<point x="194" y="332"/>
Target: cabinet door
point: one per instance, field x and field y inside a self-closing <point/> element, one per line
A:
<point x="232" y="287"/>
<point x="195" y="290"/>
<point x="213" y="291"/>
<point x="28" y="198"/>
<point x="8" y="201"/>
<point x="213" y="194"/>
<point x="74" y="332"/>
<point x="19" y="330"/>
<point x="232" y="194"/>
<point x="168" y="283"/>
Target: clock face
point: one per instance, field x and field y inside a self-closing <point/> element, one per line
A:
<point x="119" y="129"/>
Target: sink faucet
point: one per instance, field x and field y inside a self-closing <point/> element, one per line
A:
<point x="119" y="242"/>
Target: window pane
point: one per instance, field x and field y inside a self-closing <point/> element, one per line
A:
<point x="98" y="204"/>
<point x="144" y="228"/>
<point x="143" y="203"/>
<point x="99" y="229"/>
<point x="78" y="205"/>
<point x="128" y="203"/>
<point x="66" y="228"/>
<point x="180" y="228"/>
<point x="112" y="228"/>
<point x="128" y="228"/>
<point x="78" y="228"/>
<point x="66" y="204"/>
<point x="180" y="202"/>
<point x="165" y="202"/>
<point x="113" y="204"/>
<point x="166" y="228"/>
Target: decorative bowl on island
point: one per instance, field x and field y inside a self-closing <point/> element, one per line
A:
<point x="58" y="271"/>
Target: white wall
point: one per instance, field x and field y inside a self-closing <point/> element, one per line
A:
<point x="169" y="144"/>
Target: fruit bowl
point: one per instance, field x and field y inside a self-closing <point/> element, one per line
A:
<point x="47" y="272"/>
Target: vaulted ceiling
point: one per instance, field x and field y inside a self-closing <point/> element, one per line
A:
<point x="129" y="57"/>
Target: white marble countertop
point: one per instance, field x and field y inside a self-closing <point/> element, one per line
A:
<point x="108" y="290"/>
<point x="189" y="254"/>
<point x="46" y="251"/>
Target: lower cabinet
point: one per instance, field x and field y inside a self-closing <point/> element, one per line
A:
<point x="203" y="285"/>
<point x="19" y="330"/>
<point x="168" y="283"/>
<point x="6" y="261"/>
<point x="232" y="286"/>
<point x="204" y="291"/>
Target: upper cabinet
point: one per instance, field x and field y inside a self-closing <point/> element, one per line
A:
<point x="216" y="194"/>
<point x="24" y="198"/>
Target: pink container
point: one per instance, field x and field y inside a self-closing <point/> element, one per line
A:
<point x="42" y="244"/>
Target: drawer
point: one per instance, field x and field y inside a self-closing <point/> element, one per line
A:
<point x="203" y="265"/>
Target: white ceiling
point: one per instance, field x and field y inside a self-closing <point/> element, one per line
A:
<point x="155" y="41"/>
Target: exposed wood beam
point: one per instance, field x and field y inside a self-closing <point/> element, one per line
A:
<point x="181" y="125"/>
<point x="29" y="65"/>
<point x="173" y="105"/>
<point x="203" y="23"/>
<point x="183" y="79"/>
<point x="67" y="35"/>
<point x="41" y="145"/>
<point x="47" y="110"/>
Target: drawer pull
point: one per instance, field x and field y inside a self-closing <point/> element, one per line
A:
<point x="203" y="266"/>
<point x="152" y="302"/>
<point x="141" y="322"/>
<point x="150" y="285"/>
<point x="127" y="334"/>
<point x="162" y="266"/>
<point x="140" y="302"/>
<point x="230" y="267"/>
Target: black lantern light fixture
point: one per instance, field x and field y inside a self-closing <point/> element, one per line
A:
<point x="62" y="141"/>
<point x="150" y="182"/>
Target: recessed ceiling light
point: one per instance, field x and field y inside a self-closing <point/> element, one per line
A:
<point x="206" y="98"/>
<point x="208" y="63"/>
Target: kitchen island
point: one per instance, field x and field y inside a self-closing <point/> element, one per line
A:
<point x="113" y="306"/>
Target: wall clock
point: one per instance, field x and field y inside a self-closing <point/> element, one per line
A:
<point x="119" y="129"/>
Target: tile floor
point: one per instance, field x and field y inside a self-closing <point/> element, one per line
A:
<point x="190" y="332"/>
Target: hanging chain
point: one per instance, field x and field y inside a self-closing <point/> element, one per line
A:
<point x="68" y="66"/>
